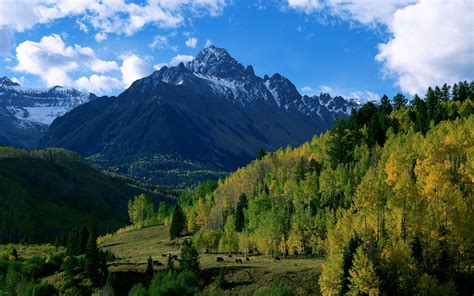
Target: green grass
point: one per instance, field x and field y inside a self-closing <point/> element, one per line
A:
<point x="134" y="247"/>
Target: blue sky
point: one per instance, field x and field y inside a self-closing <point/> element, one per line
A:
<point x="345" y="47"/>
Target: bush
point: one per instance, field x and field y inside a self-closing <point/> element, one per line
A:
<point x="171" y="283"/>
<point x="138" y="290"/>
<point x="276" y="289"/>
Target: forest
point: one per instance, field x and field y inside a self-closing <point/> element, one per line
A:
<point x="385" y="196"/>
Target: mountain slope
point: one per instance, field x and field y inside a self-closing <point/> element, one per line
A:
<point x="26" y="113"/>
<point x="47" y="192"/>
<point x="212" y="113"/>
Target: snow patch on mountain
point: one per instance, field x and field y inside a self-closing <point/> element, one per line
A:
<point x="38" y="105"/>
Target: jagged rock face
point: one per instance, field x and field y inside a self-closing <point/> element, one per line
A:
<point x="27" y="112"/>
<point x="212" y="110"/>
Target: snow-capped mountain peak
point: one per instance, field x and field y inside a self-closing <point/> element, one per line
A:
<point x="215" y="69"/>
<point x="38" y="105"/>
<point x="4" y="81"/>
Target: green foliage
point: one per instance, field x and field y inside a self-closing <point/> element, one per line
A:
<point x="24" y="277"/>
<point x="45" y="193"/>
<point x="189" y="257"/>
<point x="171" y="283"/>
<point x="275" y="289"/>
<point x="138" y="290"/>
<point x="363" y="278"/>
<point x="149" y="267"/>
<point x="140" y="208"/>
<point x="239" y="213"/>
<point x="261" y="153"/>
<point x="220" y="280"/>
<point x="229" y="242"/>
<point x="95" y="259"/>
<point x="178" y="223"/>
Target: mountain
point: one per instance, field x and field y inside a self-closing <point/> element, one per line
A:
<point x="194" y="121"/>
<point x="47" y="192"/>
<point x="26" y="113"/>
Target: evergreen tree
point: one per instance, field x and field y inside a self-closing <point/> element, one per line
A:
<point x="189" y="258"/>
<point x="170" y="263"/>
<point x="15" y="254"/>
<point x="399" y="101"/>
<point x="261" y="153"/>
<point x="239" y="213"/>
<point x="178" y="223"/>
<point x="149" y="268"/>
<point x="95" y="260"/>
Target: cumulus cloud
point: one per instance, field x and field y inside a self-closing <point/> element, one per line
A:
<point x="53" y="61"/>
<point x="107" y="16"/>
<point x="192" y="42"/>
<point x="99" y="37"/>
<point x="432" y="44"/>
<point x="326" y="89"/>
<point x="98" y="84"/>
<point x="181" y="59"/>
<point x="133" y="68"/>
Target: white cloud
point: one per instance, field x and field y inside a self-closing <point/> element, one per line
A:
<point x="326" y="89"/>
<point x="208" y="43"/>
<point x="53" y="61"/>
<point x="192" y="42"/>
<point x="308" y="6"/>
<point x="366" y="12"/>
<point x="133" y="68"/>
<point x="307" y="90"/>
<point x="99" y="37"/>
<point x="98" y="84"/>
<point x="432" y="43"/>
<point x="82" y="26"/>
<point x="181" y="59"/>
<point x="159" y="42"/>
<point x="364" y="96"/>
<point x="107" y="16"/>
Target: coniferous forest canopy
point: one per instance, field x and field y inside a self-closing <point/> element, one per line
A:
<point x="382" y="202"/>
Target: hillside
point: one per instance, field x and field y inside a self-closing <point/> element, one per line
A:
<point x="47" y="192"/>
<point x="385" y="196"/>
<point x="196" y="121"/>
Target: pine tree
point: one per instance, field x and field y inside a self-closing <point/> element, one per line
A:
<point x="261" y="153"/>
<point x="178" y="223"/>
<point x="170" y="263"/>
<point x="189" y="257"/>
<point x="95" y="261"/>
<point x="15" y="254"/>
<point x="149" y="267"/>
<point x="399" y="101"/>
<point x="239" y="213"/>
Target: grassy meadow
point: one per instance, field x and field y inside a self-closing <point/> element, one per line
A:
<point x="133" y="248"/>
